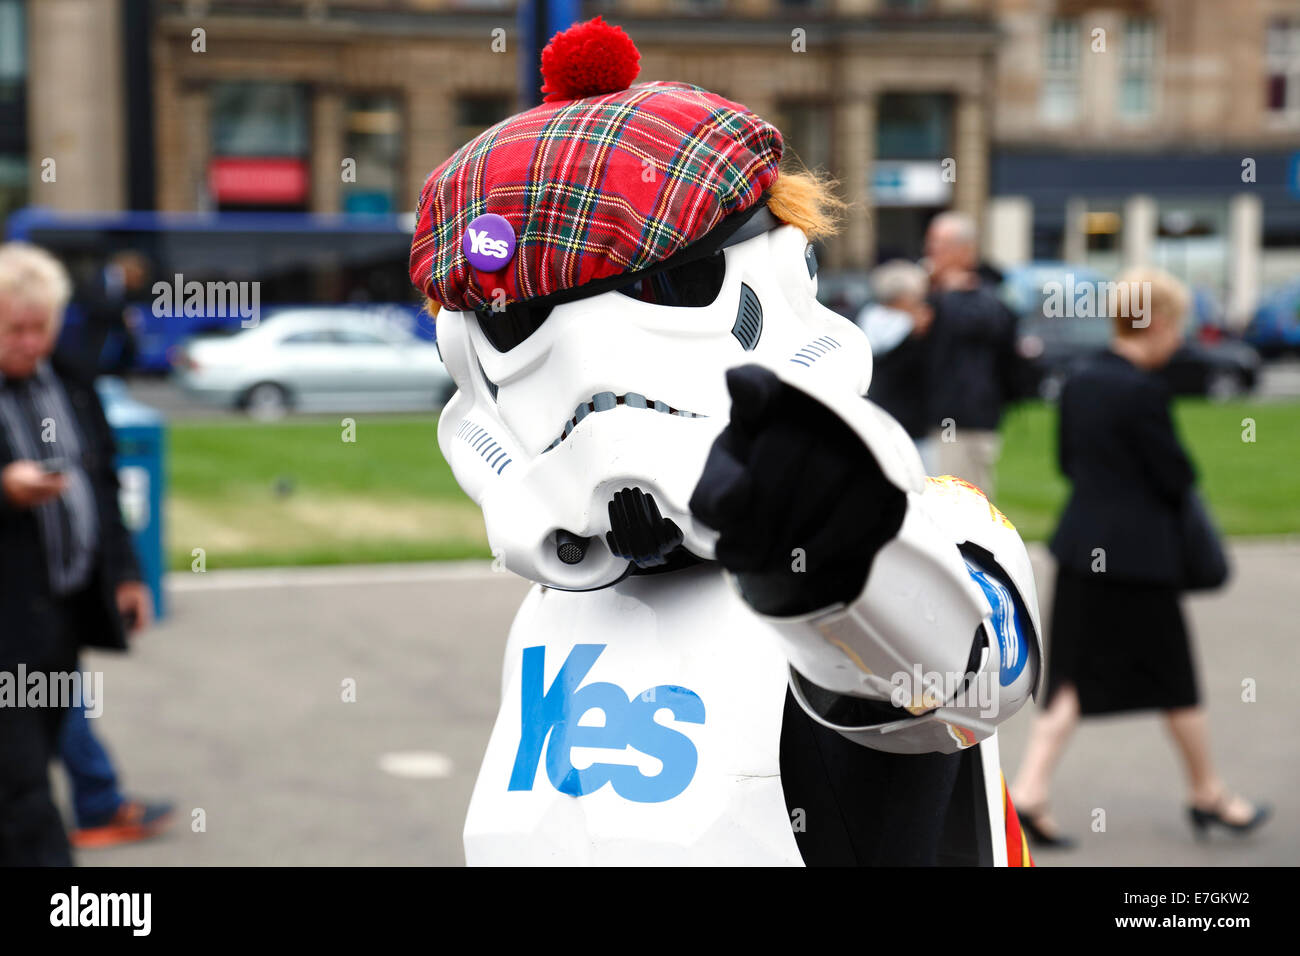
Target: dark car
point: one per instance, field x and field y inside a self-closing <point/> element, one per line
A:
<point x="1053" y="339"/>
<point x="1275" y="327"/>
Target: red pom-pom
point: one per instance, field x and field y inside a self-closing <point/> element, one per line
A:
<point x="588" y="59"/>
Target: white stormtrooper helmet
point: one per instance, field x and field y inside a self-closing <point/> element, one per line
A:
<point x="581" y="429"/>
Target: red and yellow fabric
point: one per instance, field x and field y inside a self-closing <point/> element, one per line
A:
<point x="1017" y="844"/>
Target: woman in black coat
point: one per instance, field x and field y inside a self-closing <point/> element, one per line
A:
<point x="1119" y="641"/>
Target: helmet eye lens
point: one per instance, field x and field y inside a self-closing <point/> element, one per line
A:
<point x="506" y="328"/>
<point x="691" y="285"/>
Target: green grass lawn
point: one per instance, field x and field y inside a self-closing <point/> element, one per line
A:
<point x="296" y="493"/>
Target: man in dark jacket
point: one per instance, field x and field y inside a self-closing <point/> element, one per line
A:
<point x="68" y="575"/>
<point x="972" y="356"/>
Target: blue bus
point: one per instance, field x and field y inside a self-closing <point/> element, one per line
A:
<point x="296" y="259"/>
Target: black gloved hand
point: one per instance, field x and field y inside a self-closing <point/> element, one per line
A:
<point x="787" y="473"/>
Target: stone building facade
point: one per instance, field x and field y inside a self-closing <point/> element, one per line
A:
<point x="1151" y="131"/>
<point x="817" y="70"/>
<point x="1097" y="131"/>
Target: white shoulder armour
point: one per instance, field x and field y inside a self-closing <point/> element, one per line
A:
<point x="946" y="629"/>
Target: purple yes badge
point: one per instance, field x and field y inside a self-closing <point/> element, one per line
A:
<point x="489" y="242"/>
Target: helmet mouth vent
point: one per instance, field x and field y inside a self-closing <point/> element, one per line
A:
<point x="606" y="401"/>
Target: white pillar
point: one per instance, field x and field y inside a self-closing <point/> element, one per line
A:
<point x="1138" y="239"/>
<point x="1245" y="239"/>
<point x="1076" y="237"/>
<point x="1009" y="231"/>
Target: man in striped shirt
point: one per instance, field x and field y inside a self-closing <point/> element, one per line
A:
<point x="68" y="575"/>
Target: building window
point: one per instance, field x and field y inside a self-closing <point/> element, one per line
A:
<point x="260" y="145"/>
<point x="1060" y="97"/>
<point x="259" y="119"/>
<point x="806" y="129"/>
<point x="13" y="45"/>
<point x="372" y="137"/>
<point x="13" y="183"/>
<point x="1282" y="63"/>
<point x="698" y="6"/>
<point x="1138" y="69"/>
<point x="13" y="107"/>
<point x="1191" y="242"/>
<point x="476" y="113"/>
<point x="1103" y="224"/>
<point x="914" y="137"/>
<point x="914" y="126"/>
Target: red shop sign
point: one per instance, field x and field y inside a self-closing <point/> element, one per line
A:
<point x="258" y="181"/>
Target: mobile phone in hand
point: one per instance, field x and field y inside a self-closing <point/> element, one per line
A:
<point x="54" y="466"/>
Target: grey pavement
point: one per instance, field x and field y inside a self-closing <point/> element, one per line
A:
<point x="234" y="706"/>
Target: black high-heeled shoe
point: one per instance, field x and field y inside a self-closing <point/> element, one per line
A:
<point x="1203" y="820"/>
<point x="1031" y="823"/>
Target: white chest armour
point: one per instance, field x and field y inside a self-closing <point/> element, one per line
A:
<point x="639" y="724"/>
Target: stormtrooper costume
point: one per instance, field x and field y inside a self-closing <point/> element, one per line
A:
<point x="683" y="685"/>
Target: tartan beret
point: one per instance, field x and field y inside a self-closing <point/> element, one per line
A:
<point x="586" y="188"/>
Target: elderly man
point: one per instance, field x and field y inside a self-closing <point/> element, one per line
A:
<point x="973" y="361"/>
<point x="68" y="576"/>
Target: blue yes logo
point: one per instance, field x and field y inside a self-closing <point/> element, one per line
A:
<point x="555" y="712"/>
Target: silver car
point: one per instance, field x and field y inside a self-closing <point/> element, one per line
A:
<point x="324" y="360"/>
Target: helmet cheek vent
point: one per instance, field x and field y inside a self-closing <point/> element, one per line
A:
<point x="491" y="385"/>
<point x="749" y="319"/>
